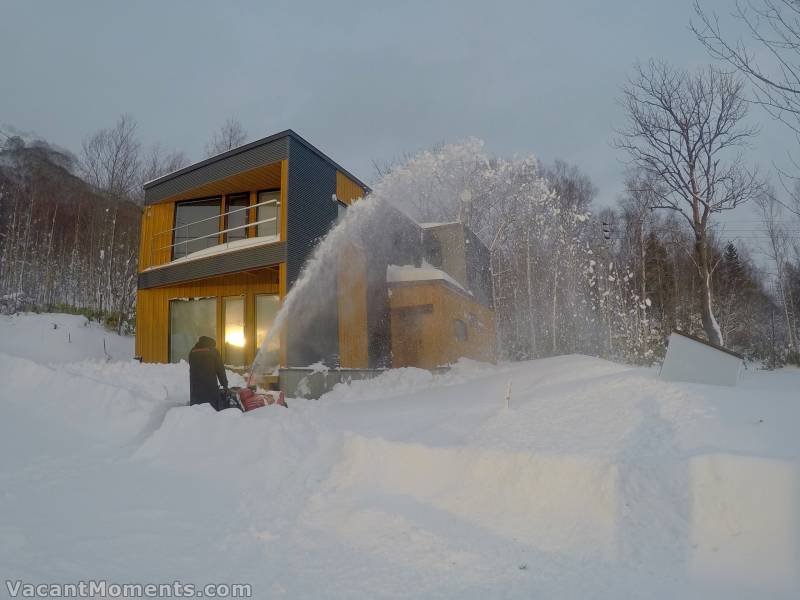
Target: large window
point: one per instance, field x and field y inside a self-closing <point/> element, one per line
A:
<point x="269" y="214"/>
<point x="236" y="217"/>
<point x="188" y="320"/>
<point x="196" y="222"/>
<point x="266" y="308"/>
<point x="234" y="332"/>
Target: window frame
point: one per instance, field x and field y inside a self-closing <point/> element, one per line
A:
<point x="279" y="215"/>
<point x="277" y="340"/>
<point x="223" y="300"/>
<point x="220" y="198"/>
<point x="170" y="302"/>
<point x="226" y="217"/>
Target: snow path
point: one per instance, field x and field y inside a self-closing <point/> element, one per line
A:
<point x="599" y="481"/>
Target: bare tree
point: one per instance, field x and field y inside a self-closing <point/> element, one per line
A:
<point x="778" y="245"/>
<point x="227" y="137"/>
<point x="686" y="131"/>
<point x="109" y="159"/>
<point x="573" y="187"/>
<point x="774" y="27"/>
<point x="157" y="162"/>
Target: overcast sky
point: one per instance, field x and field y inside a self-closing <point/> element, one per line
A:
<point x="360" y="80"/>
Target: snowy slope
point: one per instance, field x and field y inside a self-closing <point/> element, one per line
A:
<point x="599" y="481"/>
<point x="60" y="338"/>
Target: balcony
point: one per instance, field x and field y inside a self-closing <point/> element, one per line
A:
<point x="202" y="228"/>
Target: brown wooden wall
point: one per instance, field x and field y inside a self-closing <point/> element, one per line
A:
<point x="423" y="316"/>
<point x="347" y="190"/>
<point x="152" y="309"/>
<point x="352" y="303"/>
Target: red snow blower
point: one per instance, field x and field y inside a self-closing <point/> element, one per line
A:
<point x="247" y="398"/>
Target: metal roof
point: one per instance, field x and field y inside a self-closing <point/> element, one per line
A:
<point x="239" y="158"/>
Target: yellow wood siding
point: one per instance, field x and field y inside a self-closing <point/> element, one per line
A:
<point x="352" y="305"/>
<point x="153" y="249"/>
<point x="282" y="294"/>
<point x="284" y="182"/>
<point x="423" y="316"/>
<point x="152" y="308"/>
<point x="347" y="190"/>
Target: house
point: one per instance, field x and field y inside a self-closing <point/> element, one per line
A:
<point x="223" y="241"/>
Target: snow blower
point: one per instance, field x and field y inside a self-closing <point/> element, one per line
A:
<point x="247" y="398"/>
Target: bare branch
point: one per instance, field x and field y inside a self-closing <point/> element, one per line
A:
<point x="229" y="136"/>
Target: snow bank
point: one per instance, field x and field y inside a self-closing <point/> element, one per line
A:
<point x="407" y="380"/>
<point x="692" y="360"/>
<point x="599" y="480"/>
<point x="233" y="444"/>
<point x="95" y="408"/>
<point x="496" y="491"/>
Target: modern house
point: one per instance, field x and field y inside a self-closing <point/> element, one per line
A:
<point x="223" y="241"/>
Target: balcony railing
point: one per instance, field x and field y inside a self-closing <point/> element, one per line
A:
<point x="158" y="245"/>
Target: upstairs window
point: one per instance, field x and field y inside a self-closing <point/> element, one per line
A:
<point x="268" y="215"/>
<point x="196" y="226"/>
<point x="236" y="217"/>
<point x="201" y="224"/>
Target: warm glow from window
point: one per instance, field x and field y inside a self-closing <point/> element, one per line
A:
<point x="234" y="336"/>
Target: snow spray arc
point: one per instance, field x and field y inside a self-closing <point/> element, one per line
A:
<point x="319" y="270"/>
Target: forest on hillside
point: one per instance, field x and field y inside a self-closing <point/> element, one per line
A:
<point x="69" y="223"/>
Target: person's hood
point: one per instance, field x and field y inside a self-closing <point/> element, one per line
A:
<point x="205" y="342"/>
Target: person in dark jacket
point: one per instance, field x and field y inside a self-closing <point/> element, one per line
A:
<point x="205" y="368"/>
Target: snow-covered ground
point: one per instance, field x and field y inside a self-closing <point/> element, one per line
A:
<point x="599" y="480"/>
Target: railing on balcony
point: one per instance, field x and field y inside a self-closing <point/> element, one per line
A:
<point x="187" y="241"/>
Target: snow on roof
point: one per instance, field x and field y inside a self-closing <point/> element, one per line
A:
<point x="221" y="249"/>
<point x="400" y="273"/>
<point x="157" y="177"/>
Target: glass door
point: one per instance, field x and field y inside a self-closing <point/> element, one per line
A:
<point x="267" y="306"/>
<point x="234" y="331"/>
<point x="188" y="320"/>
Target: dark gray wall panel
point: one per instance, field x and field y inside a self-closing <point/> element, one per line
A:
<point x="479" y="275"/>
<point x="222" y="264"/>
<point x="233" y="162"/>
<point x="311" y="212"/>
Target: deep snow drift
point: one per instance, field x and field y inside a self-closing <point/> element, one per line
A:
<point x="599" y="481"/>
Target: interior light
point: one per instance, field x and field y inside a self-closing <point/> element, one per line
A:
<point x="234" y="336"/>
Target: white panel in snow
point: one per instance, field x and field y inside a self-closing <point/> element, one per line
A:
<point x="695" y="361"/>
